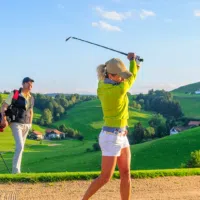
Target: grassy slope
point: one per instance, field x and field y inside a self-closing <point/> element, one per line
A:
<point x="190" y="103"/>
<point x="168" y="152"/>
<point x="87" y="117"/>
<point x="188" y="88"/>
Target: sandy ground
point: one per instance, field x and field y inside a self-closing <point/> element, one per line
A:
<point x="168" y="188"/>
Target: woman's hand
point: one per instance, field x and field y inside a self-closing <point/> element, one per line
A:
<point x="131" y="56"/>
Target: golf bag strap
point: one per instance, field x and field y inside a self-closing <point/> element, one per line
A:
<point x="15" y="96"/>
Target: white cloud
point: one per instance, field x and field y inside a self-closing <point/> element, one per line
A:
<point x="113" y="15"/>
<point x="197" y="13"/>
<point x="146" y="13"/>
<point x="105" y="26"/>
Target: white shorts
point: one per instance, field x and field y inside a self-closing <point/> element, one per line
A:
<point x="112" y="144"/>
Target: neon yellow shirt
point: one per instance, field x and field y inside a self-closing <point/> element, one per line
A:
<point x="114" y="99"/>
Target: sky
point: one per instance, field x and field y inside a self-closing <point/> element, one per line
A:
<point x="166" y="33"/>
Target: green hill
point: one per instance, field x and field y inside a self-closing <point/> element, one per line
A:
<point x="190" y="103"/>
<point x="87" y="117"/>
<point x="188" y="88"/>
<point x="71" y="155"/>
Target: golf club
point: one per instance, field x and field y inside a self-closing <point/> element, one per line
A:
<point x="140" y="59"/>
<point x="4" y="162"/>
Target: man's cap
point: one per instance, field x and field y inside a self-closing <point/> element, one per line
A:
<point x="116" y="66"/>
<point x="27" y="79"/>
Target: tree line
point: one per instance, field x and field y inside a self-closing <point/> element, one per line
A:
<point x="53" y="108"/>
<point x="158" y="101"/>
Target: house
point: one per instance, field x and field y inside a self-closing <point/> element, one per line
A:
<point x="197" y="92"/>
<point x="36" y="135"/>
<point x="177" y="129"/>
<point x="192" y="124"/>
<point x="54" y="134"/>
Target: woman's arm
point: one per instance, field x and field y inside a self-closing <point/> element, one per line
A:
<point x="133" y="69"/>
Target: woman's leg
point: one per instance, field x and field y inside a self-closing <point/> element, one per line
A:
<point x="123" y="162"/>
<point x="107" y="169"/>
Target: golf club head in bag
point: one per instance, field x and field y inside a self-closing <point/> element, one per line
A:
<point x="1" y="125"/>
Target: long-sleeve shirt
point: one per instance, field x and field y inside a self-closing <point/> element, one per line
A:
<point x="114" y="99"/>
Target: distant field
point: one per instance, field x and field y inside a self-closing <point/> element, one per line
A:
<point x="37" y="113"/>
<point x="190" y="104"/>
<point x="188" y="88"/>
<point x="4" y="96"/>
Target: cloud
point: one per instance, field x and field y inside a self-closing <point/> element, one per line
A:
<point x="197" y="13"/>
<point x="146" y="13"/>
<point x="113" y="15"/>
<point x="105" y="26"/>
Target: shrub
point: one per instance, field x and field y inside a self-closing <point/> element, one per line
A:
<point x="194" y="160"/>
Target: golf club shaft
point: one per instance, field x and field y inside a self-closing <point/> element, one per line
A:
<point x="101" y="46"/>
<point x="4" y="162"/>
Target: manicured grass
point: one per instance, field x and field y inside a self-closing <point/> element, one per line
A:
<point x="67" y="176"/>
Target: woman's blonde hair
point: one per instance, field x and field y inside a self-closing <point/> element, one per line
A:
<point x="101" y="72"/>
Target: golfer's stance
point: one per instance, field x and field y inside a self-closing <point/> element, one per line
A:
<point x="114" y="83"/>
<point x="19" y="108"/>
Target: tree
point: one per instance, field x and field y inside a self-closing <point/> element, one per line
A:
<point x="139" y="106"/>
<point x="141" y="102"/>
<point x="194" y="159"/>
<point x="60" y="110"/>
<point x="158" y="122"/>
<point x="134" y="104"/>
<point x="149" y="132"/>
<point x="50" y="107"/>
<point x="64" y="103"/>
<point x="42" y="123"/>
<point x="73" y="98"/>
<point x="62" y="128"/>
<point x="47" y="116"/>
<point x="1" y="99"/>
<point x="138" y="133"/>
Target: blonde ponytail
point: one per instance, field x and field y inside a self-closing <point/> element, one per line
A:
<point x="101" y="72"/>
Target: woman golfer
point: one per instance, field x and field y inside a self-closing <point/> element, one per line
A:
<point x="114" y="83"/>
